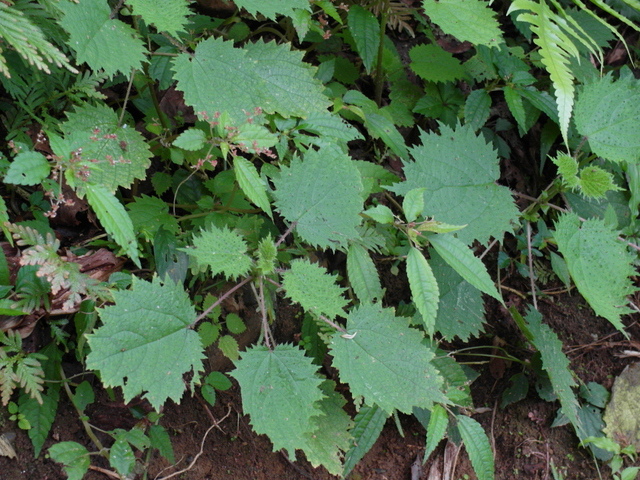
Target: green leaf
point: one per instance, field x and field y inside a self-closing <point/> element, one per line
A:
<point x="73" y="456"/>
<point x="436" y="430"/>
<point x="459" y="170"/>
<point x="607" y="114"/>
<point x="322" y="194"/>
<point x="235" y="324"/>
<point x="433" y="64"/>
<point x="456" y="17"/>
<point x="146" y="342"/>
<point x="555" y="363"/>
<point x="424" y="288"/>
<point x="413" y="204"/>
<point x="114" y="155"/>
<point x="477" y="109"/>
<point x="314" y="289"/>
<point x="28" y="168"/>
<point x="365" y="30"/>
<point x="329" y="127"/>
<point x="280" y="392"/>
<point x="271" y="8"/>
<point x="279" y="81"/>
<point x="121" y="457"/>
<point x="460" y="309"/>
<point x="463" y="261"/>
<point x="595" y="182"/>
<point x="114" y="219"/>
<point x="369" y="422"/>
<point x="267" y="255"/>
<point x="363" y="275"/>
<point x="251" y="184"/>
<point x="169" y="16"/>
<point x="478" y="447"/>
<point x="222" y="250"/>
<point x="149" y="214"/>
<point x="191" y="139"/>
<point x="160" y="439"/>
<point x="40" y="416"/>
<point x="599" y="263"/>
<point x="567" y="168"/>
<point x="367" y="359"/>
<point x="381" y="127"/>
<point x="100" y="41"/>
<point x="229" y="347"/>
<point x="381" y="214"/>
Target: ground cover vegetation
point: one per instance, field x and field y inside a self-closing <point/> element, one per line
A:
<point x="159" y="160"/>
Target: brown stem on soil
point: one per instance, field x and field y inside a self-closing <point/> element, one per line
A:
<point x="222" y="298"/>
<point x="106" y="472"/>
<point x="532" y="280"/>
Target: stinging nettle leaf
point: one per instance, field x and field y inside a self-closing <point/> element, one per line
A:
<point x="369" y="422"/>
<point x="251" y="184"/>
<point x="413" y="204"/>
<point x="73" y="456"/>
<point x="28" y="168"/>
<point x="367" y="359"/>
<point x="191" y="139"/>
<point x="436" y="430"/>
<point x="222" y="250"/>
<point x="363" y="275"/>
<point x="365" y="30"/>
<point x="168" y="16"/>
<point x="478" y="447"/>
<point x="145" y="343"/>
<point x="424" y="288"/>
<point x="433" y="64"/>
<point x="272" y="8"/>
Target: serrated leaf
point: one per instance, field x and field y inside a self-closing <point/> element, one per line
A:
<point x="314" y="289"/>
<point x="280" y="81"/>
<point x="436" y="429"/>
<point x="235" y="324"/>
<point x="555" y="363"/>
<point x="121" y="457"/>
<point x="478" y="447"/>
<point x="73" y="456"/>
<point x="222" y="250"/>
<point x="191" y="139"/>
<point x="149" y="214"/>
<point x="477" y="109"/>
<point x="100" y="41"/>
<point x="463" y="261"/>
<point x="424" y="288"/>
<point x="413" y="204"/>
<point x="367" y="359"/>
<point x="567" y="168"/>
<point x="599" y="263"/>
<point x="369" y="423"/>
<point x="28" y="168"/>
<point x="329" y="126"/>
<point x="114" y="219"/>
<point x="272" y="8"/>
<point x="365" y="30"/>
<point x="381" y="127"/>
<point x="40" y="416"/>
<point x="114" y="155"/>
<point x="251" y="184"/>
<point x="456" y="16"/>
<point x="322" y="194"/>
<point x="433" y="64"/>
<point x="459" y="170"/>
<point x="167" y="16"/>
<point x="160" y="439"/>
<point x="460" y="308"/>
<point x="363" y="275"/>
<point x="516" y="106"/>
<point x="595" y="182"/>
<point x="607" y="114"/>
<point x="229" y="347"/>
<point x="280" y="392"/>
<point x="145" y="343"/>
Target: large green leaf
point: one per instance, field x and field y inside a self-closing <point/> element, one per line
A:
<point x="478" y="447"/>
<point x="599" y="264"/>
<point x="367" y="358"/>
<point x="101" y="41"/>
<point x="167" y="15"/>
<point x="146" y="342"/>
<point x="271" y="8"/>
<point x="28" y="168"/>
<point x="281" y="393"/>
<point x="312" y="287"/>
<point x="73" y="456"/>
<point x="322" y="194"/>
<point x="433" y="64"/>
<point x="260" y="75"/>
<point x="607" y="114"/>
<point x="467" y="20"/>
<point x="459" y="171"/>
<point x="222" y="250"/>
<point x="424" y="288"/>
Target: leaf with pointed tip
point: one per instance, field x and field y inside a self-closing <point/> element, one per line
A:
<point x="478" y="447"/>
<point x="363" y="275"/>
<point x="251" y="184"/>
<point x="436" y="429"/>
<point x="424" y="288"/>
<point x="222" y="250"/>
<point x="456" y="17"/>
<point x="365" y="30"/>
<point x="369" y="423"/>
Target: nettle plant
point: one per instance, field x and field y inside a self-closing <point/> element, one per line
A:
<point x="263" y="176"/>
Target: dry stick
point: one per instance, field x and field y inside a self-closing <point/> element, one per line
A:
<point x="530" y="258"/>
<point x="263" y="313"/>
<point x="222" y="298"/>
<point x="195" y="459"/>
<point x="495" y="240"/>
<point x="106" y="472"/>
<point x="284" y="235"/>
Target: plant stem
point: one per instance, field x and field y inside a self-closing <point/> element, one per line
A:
<point x="379" y="76"/>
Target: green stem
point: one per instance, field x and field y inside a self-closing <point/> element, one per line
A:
<point x="379" y="77"/>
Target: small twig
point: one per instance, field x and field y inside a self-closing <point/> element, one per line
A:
<point x="195" y="459"/>
<point x="222" y="298"/>
<point x="532" y="280"/>
<point x="332" y="323"/>
<point x="126" y="98"/>
<point x="495" y="240"/>
<point x="285" y="234"/>
<point x="268" y="338"/>
<point x="106" y="472"/>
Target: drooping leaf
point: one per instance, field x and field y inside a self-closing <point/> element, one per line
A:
<point x="369" y="423"/>
<point x="478" y="447"/>
<point x="322" y="194"/>
<point x="363" y="275"/>
<point x="367" y="359"/>
<point x="599" y="264"/>
<point x="555" y="363"/>
<point x="149" y="214"/>
<point x="73" y="456"/>
<point x="28" y="168"/>
<point x="365" y="30"/>
<point x="114" y="219"/>
<point x="145" y="343"/>
<point x="281" y="393"/>
<point x="99" y="40"/>
<point x="433" y="64"/>
<point x="272" y="8"/>
<point x="424" y="288"/>
<point x="251" y="184"/>
<point x="436" y="429"/>
<point x="455" y="17"/>
<point x="222" y="250"/>
<point x="312" y="287"/>
<point x="463" y="261"/>
<point x="167" y="16"/>
<point x="279" y="81"/>
<point x="459" y="171"/>
<point x="607" y="114"/>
